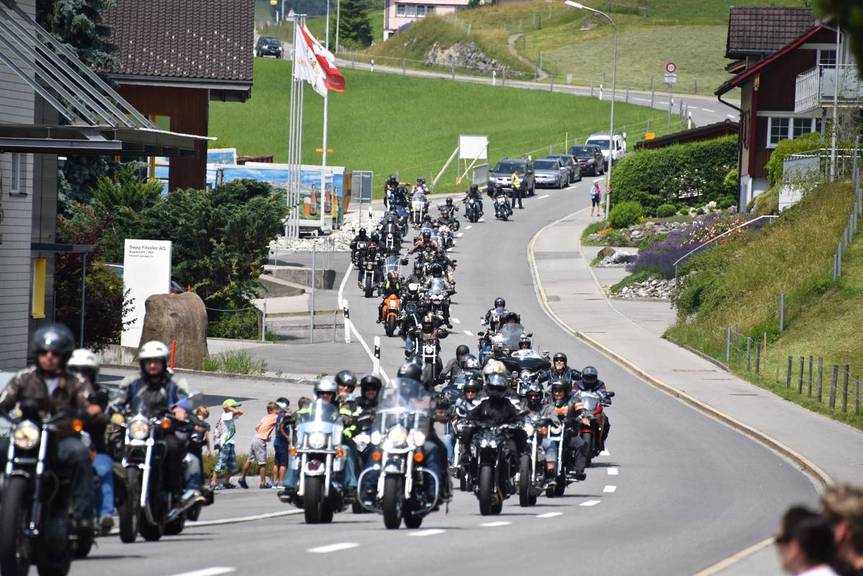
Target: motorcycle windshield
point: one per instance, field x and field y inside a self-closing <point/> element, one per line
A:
<point x="438" y="287"/>
<point x="403" y="416"/>
<point x="590" y="400"/>
<point x="391" y="264"/>
<point x="323" y="417"/>
<point x="508" y="336"/>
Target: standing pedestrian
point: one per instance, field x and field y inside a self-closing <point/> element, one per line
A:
<point x="258" y="450"/>
<point x="596" y="199"/>
<point x="516" y="189"/>
<point x="805" y="543"/>
<point x="224" y="439"/>
<point x="282" y="441"/>
<point x="843" y="508"/>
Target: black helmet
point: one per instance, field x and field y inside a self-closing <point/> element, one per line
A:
<point x="499" y="302"/>
<point x="449" y="201"/>
<point x="474" y="188"/>
<point x="461" y="351"/>
<point x="436" y="270"/>
<point x="474" y="384"/>
<point x="54" y="338"/>
<point x="558" y="386"/>
<point x="376" y="237"/>
<point x="411" y="371"/>
<point x="559" y="356"/>
<point x="346" y="378"/>
<point x="370" y="382"/>
<point x="426" y="235"/>
<point x="589" y="376"/>
<point x="428" y="321"/>
<point x="496" y="385"/>
<point x="534" y="396"/>
<point x="362" y="232"/>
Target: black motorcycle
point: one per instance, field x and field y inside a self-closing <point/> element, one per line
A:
<point x="502" y="209"/>
<point x="473" y="209"/>
<point x="36" y="525"/>
<point x="494" y="463"/>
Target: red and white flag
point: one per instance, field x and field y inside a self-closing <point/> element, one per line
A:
<point x="315" y="64"/>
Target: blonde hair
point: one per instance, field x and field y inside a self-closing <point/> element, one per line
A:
<point x="271" y="407"/>
<point x="202" y="412"/>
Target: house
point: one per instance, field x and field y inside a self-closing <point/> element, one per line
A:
<point x="401" y="13"/>
<point x="784" y="64"/>
<point x="174" y="58"/>
<point x="697" y="134"/>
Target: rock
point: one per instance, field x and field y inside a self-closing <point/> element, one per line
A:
<point x="637" y="234"/>
<point x="462" y="55"/>
<point x="594" y="238"/>
<point x="657" y="289"/>
<point x="181" y="318"/>
<point x="606" y="252"/>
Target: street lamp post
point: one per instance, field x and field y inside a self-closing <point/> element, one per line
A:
<point x="580" y="6"/>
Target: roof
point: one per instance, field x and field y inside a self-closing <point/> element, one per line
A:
<point x="763" y="31"/>
<point x="706" y="132"/>
<point x="168" y="40"/>
<point x="752" y="70"/>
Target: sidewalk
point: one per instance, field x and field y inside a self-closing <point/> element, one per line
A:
<point x="831" y="451"/>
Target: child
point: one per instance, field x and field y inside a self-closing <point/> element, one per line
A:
<point x="596" y="199"/>
<point x="226" y="432"/>
<point x="282" y="441"/>
<point x="258" y="449"/>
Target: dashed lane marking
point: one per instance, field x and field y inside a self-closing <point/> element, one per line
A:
<point x="709" y="110"/>
<point x="467" y="333"/>
<point x="482" y="220"/>
<point x="468" y="227"/>
<point x="455" y="320"/>
<point x="333" y="548"/>
<point x="459" y="235"/>
<point x="605" y="453"/>
<point x="609" y="489"/>
<point x="212" y="571"/>
<point x="429" y="532"/>
<point x="495" y="524"/>
<point x="549" y="515"/>
<point x="543" y="196"/>
<point x="590" y="503"/>
<point x="613" y="470"/>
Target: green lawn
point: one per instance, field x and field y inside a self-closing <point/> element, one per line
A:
<point x="410" y="126"/>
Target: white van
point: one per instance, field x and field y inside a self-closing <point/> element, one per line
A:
<point x="618" y="146"/>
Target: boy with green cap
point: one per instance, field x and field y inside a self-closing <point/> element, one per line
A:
<point x="225" y="435"/>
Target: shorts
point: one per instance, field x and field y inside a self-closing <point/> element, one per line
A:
<point x="258" y="451"/>
<point x="227" y="460"/>
<point x="281" y="454"/>
<point x="594" y="201"/>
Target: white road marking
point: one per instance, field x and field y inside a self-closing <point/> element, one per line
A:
<point x="459" y="235"/>
<point x="495" y="524"/>
<point x="467" y="333"/>
<point x="354" y="330"/>
<point x="333" y="548"/>
<point x="610" y="489"/>
<point x="468" y="227"/>
<point x="455" y="320"/>
<point x="241" y="519"/>
<point x="605" y="453"/>
<point x="429" y="532"/>
<point x="590" y="503"/>
<point x="709" y="110"/>
<point x="214" y="571"/>
<point x="613" y="470"/>
<point x="543" y="196"/>
<point x="549" y="515"/>
<point x="482" y="220"/>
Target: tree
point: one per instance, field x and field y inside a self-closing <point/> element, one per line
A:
<point x="354" y="26"/>
<point x="849" y="16"/>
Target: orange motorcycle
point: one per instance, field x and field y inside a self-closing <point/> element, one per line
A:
<point x="390" y="313"/>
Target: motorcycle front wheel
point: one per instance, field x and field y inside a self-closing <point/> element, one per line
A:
<point x="128" y="494"/>
<point x="393" y="501"/>
<point x="315" y="506"/>
<point x="390" y="326"/>
<point x="524" y="482"/>
<point x="588" y="438"/>
<point x="487" y="494"/>
<point x="14" y="518"/>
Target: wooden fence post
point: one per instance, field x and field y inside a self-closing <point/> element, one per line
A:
<point x="820" y="378"/>
<point x="809" y="392"/>
<point x="800" y="377"/>
<point x="834" y="378"/>
<point x="758" y="357"/>
<point x="857" y="396"/>
<point x="845" y="378"/>
<point x="788" y="374"/>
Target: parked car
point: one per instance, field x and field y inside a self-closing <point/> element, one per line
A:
<point x="589" y="159"/>
<point x="550" y="173"/>
<point x="268" y="46"/>
<point x="501" y="176"/>
<point x="571" y="164"/>
<point x="616" y="146"/>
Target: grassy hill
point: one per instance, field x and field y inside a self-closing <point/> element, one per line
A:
<point x="410" y="126"/>
<point x="577" y="46"/>
<point x="738" y="284"/>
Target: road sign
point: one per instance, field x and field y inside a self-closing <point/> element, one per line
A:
<point x="670" y="78"/>
<point x="671" y="67"/>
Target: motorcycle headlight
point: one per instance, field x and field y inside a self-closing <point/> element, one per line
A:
<point x="483" y="443"/>
<point x="418" y="438"/>
<point x="317" y="440"/>
<point x="429" y="349"/>
<point x="528" y="428"/>
<point x="397" y="436"/>
<point x="26" y="435"/>
<point x="377" y="437"/>
<point x="139" y="430"/>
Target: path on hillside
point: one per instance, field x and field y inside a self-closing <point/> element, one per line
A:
<point x="510" y="43"/>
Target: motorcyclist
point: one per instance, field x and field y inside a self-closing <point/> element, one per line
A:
<point x="392" y="285"/>
<point x="362" y="236"/>
<point x="411" y="323"/>
<point x="54" y="391"/>
<point x="473" y="193"/>
<point x="560" y="409"/>
<point x="86" y="364"/>
<point x="560" y="370"/>
<point x="370" y="390"/>
<point x="590" y="382"/>
<point x="456" y="366"/>
<point x="420" y="186"/>
<point x="460" y="410"/>
<point x="431" y="330"/>
<point x="449" y="208"/>
<point x="390" y="187"/>
<point x="494" y="315"/>
<point x="346" y="382"/>
<point x="437" y="273"/>
<point x="534" y="399"/>
<point x="425" y="241"/>
<point x="447" y="265"/>
<point x="417" y="276"/>
<point x="496" y="409"/>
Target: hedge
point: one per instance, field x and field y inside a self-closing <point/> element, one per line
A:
<point x="624" y="214"/>
<point x="690" y="174"/>
<point x="803" y="143"/>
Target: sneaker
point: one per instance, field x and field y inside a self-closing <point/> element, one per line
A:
<point x="580" y="476"/>
<point x="243" y="484"/>
<point x="106" y="524"/>
<point x="228" y="486"/>
<point x="264" y="485"/>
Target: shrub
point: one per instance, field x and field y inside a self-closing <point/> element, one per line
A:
<point x="765" y="203"/>
<point x="235" y="362"/>
<point x="688" y="174"/>
<point x="803" y="143"/>
<point x="242" y="325"/>
<point x="624" y="214"/>
<point x="726" y="202"/>
<point x="666" y="210"/>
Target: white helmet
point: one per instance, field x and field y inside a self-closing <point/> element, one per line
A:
<point x="83" y="358"/>
<point x="494" y="367"/>
<point x="153" y="349"/>
<point x="326" y="385"/>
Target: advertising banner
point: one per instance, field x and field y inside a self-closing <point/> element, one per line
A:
<point x="146" y="271"/>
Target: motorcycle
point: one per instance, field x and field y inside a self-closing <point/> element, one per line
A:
<point x="502" y="209"/>
<point x="446" y="236"/>
<point x="419" y="206"/>
<point x="320" y="458"/>
<point x="592" y="426"/>
<point x="531" y="473"/>
<point x="36" y="525"/>
<point x="369" y="279"/>
<point x="556" y="433"/>
<point x="473" y="209"/>
<point x="391" y="313"/>
<point x="396" y="483"/>
<point x="447" y="217"/>
<point x="409" y="317"/>
<point x="438" y="296"/>
<point x="493" y="466"/>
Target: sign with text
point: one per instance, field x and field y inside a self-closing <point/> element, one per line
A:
<point x="146" y="271"/>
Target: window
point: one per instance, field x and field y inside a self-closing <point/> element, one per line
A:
<point x="803" y="126"/>
<point x="400" y="10"/>
<point x="413" y="10"/>
<point x="17" y="185"/>
<point x="827" y="58"/>
<point x="777" y="129"/>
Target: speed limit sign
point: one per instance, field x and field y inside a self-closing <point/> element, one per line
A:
<point x="671" y="67"/>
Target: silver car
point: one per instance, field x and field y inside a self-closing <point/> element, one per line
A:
<point x="549" y="173"/>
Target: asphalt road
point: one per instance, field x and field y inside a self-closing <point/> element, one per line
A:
<point x="678" y="492"/>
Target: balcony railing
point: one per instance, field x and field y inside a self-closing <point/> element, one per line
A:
<point x="816" y="88"/>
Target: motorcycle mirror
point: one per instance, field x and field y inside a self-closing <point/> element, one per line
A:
<point x="611" y="394"/>
<point x="530" y="334"/>
<point x="480" y="334"/>
<point x="404" y="261"/>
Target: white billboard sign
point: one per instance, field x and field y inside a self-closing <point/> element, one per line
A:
<point x="472" y="147"/>
<point x="146" y="271"/>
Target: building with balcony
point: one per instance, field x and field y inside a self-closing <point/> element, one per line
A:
<point x="785" y="65"/>
<point x="399" y="14"/>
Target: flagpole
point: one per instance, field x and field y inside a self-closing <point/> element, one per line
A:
<point x="326" y="117"/>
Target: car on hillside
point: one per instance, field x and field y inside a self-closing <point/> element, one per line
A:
<point x="550" y="173"/>
<point x="501" y="176"/>
<point x="269" y="46"/>
<point x="589" y="159"/>
<point x="615" y="146"/>
<point x="572" y="166"/>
